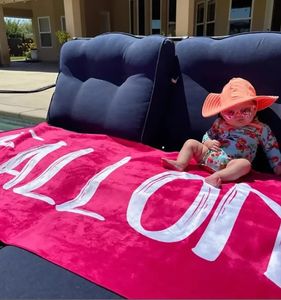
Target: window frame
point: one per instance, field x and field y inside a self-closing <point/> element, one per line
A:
<point x="241" y="19"/>
<point x="138" y="18"/>
<point x="160" y="17"/>
<point x="205" y="22"/>
<point x="171" y="23"/>
<point x="45" y="32"/>
<point x="62" y="23"/>
<point x="132" y="16"/>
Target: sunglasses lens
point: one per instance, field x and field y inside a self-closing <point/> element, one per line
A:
<point x="244" y="112"/>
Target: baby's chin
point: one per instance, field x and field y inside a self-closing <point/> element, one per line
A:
<point x="239" y="123"/>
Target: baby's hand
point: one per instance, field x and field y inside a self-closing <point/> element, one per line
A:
<point x="277" y="170"/>
<point x="213" y="145"/>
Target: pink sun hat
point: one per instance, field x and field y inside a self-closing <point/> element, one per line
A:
<point x="236" y="91"/>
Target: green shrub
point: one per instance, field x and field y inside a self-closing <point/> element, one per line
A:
<point x="62" y="36"/>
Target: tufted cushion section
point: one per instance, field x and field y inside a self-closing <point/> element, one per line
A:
<point x="207" y="64"/>
<point x="114" y="84"/>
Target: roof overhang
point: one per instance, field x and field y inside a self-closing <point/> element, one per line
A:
<point x="12" y="1"/>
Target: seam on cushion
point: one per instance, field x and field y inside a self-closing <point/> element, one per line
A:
<point x="124" y="80"/>
<point x="153" y="88"/>
<point x="108" y="110"/>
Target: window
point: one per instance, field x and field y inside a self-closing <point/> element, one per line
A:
<point x="156" y="21"/>
<point x="45" y="31"/>
<point x="172" y="17"/>
<point x="276" y="16"/>
<point x="141" y="17"/>
<point x="62" y="23"/>
<point x="240" y="16"/>
<point x="137" y="16"/>
<point x="132" y="16"/>
<point x="205" y="17"/>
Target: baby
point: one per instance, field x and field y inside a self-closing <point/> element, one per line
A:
<point x="229" y="146"/>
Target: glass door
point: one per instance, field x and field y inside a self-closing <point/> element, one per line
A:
<point x="156" y="16"/>
<point x="205" y="17"/>
<point x="276" y="16"/>
<point x="240" y="16"/>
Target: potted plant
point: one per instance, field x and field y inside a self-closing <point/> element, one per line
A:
<point x="33" y="51"/>
<point x="62" y="36"/>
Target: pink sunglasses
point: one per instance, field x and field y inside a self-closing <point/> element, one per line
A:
<point x="246" y="112"/>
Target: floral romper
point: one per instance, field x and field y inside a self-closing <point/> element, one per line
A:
<point x="240" y="143"/>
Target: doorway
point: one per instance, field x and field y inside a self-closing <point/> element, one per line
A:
<point x="276" y="16"/>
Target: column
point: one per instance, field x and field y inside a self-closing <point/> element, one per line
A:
<point x="185" y="17"/>
<point x="268" y="15"/>
<point x="73" y="17"/>
<point x="4" y="48"/>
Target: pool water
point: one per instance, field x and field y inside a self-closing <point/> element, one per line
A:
<point x="9" y="123"/>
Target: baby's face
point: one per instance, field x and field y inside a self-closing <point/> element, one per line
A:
<point x="241" y="114"/>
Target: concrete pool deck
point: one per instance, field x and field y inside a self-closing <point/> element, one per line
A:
<point x="25" y="76"/>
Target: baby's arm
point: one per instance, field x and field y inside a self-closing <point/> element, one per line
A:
<point x="209" y="138"/>
<point x="212" y="145"/>
<point x="271" y="149"/>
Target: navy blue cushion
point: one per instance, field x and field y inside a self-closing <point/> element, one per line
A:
<point x="114" y="84"/>
<point x="26" y="276"/>
<point x="206" y="65"/>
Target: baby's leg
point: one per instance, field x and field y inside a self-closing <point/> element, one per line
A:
<point x="235" y="169"/>
<point x="191" y="149"/>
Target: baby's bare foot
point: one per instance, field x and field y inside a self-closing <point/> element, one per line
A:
<point x="214" y="180"/>
<point x="172" y="164"/>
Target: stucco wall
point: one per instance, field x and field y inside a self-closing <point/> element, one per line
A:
<point x="95" y="16"/>
<point x="222" y="17"/>
<point x="53" y="9"/>
<point x="147" y="17"/>
<point x="164" y="16"/>
<point x="4" y="48"/>
<point x="93" y="11"/>
<point x="258" y="15"/>
<point x="185" y="18"/>
<point x="119" y="11"/>
<point x="19" y="10"/>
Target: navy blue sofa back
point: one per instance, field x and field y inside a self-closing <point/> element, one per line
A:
<point x="206" y="65"/>
<point x="120" y="85"/>
<point x="115" y="84"/>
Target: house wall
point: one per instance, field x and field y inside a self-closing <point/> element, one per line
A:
<point x="258" y="15"/>
<point x="93" y="16"/>
<point x="97" y="12"/>
<point x="185" y="17"/>
<point x="148" y="16"/>
<point x="75" y="17"/>
<point x="223" y="11"/>
<point x="120" y="15"/>
<point x="18" y="10"/>
<point x="222" y="17"/>
<point x="268" y="15"/>
<point x="89" y="18"/>
<point x="164" y="16"/>
<point x="4" y="48"/>
<point x="53" y="9"/>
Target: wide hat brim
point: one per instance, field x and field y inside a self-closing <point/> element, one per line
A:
<point x="213" y="104"/>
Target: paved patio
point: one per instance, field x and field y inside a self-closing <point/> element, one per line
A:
<point x="27" y="76"/>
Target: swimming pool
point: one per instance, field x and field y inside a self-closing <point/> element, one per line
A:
<point x="9" y="123"/>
